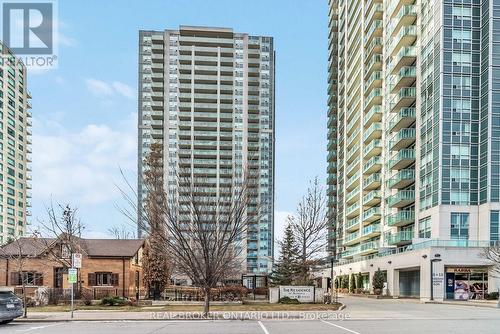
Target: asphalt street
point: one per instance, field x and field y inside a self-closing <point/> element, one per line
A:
<point x="363" y="316"/>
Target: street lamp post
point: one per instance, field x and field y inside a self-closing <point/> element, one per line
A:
<point x="432" y="274"/>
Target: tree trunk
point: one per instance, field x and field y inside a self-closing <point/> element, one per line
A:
<point x="25" y="315"/>
<point x="206" y="307"/>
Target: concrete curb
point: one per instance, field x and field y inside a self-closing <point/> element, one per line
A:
<point x="464" y="303"/>
<point x="165" y="316"/>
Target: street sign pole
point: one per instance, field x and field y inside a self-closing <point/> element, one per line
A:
<point x="72" y="294"/>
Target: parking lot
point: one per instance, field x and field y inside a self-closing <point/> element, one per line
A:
<point x="362" y="316"/>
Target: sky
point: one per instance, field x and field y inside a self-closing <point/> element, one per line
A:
<point x="85" y="111"/>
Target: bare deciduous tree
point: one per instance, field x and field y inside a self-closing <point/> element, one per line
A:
<point x="202" y="226"/>
<point x="121" y="232"/>
<point x="19" y="251"/>
<point x="309" y="225"/>
<point x="492" y="253"/>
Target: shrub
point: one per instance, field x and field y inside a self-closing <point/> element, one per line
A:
<point x="491" y="296"/>
<point x="352" y="283"/>
<point x="86" y="297"/>
<point x="114" y="301"/>
<point x="378" y="281"/>
<point x="288" y="300"/>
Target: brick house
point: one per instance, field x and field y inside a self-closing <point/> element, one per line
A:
<point x="109" y="266"/>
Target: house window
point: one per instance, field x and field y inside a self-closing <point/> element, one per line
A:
<point x="30" y="278"/>
<point x="459" y="225"/>
<point x="103" y="279"/>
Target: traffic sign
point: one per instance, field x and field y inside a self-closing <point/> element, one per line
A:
<point x="72" y="275"/>
<point x="77" y="260"/>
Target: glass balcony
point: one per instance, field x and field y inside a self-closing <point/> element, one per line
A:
<point x="369" y="247"/>
<point x="405" y="78"/>
<point x="375" y="80"/>
<point x="402" y="139"/>
<point x="373" y="165"/>
<point x="406" y="36"/>
<point x="401" y="218"/>
<point x="405" y="57"/>
<point x="370" y="231"/>
<point x="376" y="12"/>
<point x="401" y="198"/>
<point x="353" y="167"/>
<point x="402" y="179"/>
<point x="375" y="97"/>
<point x="372" y="198"/>
<point x="352" y="224"/>
<point x="353" y="153"/>
<point x="402" y="237"/>
<point x="374" y="115"/>
<point x="373" y="148"/>
<point x="353" y="196"/>
<point x="375" y="63"/>
<point x="374" y="131"/>
<point x="372" y="214"/>
<point x="407" y="14"/>
<point x="351" y="239"/>
<point x="352" y="210"/>
<point x="350" y="252"/>
<point x="353" y="181"/>
<point x="404" y="98"/>
<point x="372" y="182"/>
<point x="402" y="159"/>
<point x="374" y="30"/>
<point x="403" y="119"/>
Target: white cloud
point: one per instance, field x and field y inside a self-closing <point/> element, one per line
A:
<point x="66" y="40"/>
<point x="82" y="166"/>
<point x="104" y="89"/>
<point x="124" y="89"/>
<point x="98" y="87"/>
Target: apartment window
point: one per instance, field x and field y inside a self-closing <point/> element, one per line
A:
<point x="424" y="227"/>
<point x="462" y="12"/>
<point x="462" y="36"/>
<point x="495" y="225"/>
<point x="459" y="225"/>
<point x="461" y="59"/>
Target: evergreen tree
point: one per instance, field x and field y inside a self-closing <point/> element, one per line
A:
<point x="285" y="269"/>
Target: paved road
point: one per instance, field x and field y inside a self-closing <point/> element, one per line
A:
<point x="366" y="316"/>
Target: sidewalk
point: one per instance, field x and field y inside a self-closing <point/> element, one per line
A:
<point x="99" y="315"/>
<point x="476" y="303"/>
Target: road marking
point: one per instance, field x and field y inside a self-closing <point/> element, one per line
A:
<point x="36" y="327"/>
<point x="263" y="327"/>
<point x="338" y="326"/>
